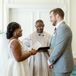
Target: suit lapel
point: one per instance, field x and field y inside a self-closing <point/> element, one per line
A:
<point x="53" y="39"/>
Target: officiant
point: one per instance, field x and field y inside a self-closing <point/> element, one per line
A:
<point x="38" y="63"/>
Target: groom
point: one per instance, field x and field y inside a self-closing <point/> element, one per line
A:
<point x="61" y="59"/>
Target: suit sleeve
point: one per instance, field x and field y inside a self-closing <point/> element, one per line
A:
<point x="62" y="39"/>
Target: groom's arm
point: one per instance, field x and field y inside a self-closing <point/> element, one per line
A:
<point x="62" y="39"/>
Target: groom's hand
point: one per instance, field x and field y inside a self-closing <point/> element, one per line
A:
<point x="51" y="66"/>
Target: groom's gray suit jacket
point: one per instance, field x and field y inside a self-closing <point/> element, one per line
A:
<point x="61" y="55"/>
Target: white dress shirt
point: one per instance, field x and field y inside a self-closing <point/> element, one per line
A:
<point x="58" y="24"/>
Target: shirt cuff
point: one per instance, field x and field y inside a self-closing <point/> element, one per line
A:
<point x="49" y="62"/>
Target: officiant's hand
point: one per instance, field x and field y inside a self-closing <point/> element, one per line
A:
<point x="33" y="51"/>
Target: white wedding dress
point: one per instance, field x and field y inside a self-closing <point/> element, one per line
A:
<point x="17" y="68"/>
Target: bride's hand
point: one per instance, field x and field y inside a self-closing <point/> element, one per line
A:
<point x="33" y="51"/>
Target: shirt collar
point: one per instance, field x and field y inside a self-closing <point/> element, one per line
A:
<point x="41" y="34"/>
<point x="58" y="24"/>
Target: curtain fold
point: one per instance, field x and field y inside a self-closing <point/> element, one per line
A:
<point x="3" y="54"/>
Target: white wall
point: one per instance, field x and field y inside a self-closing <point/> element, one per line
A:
<point x="73" y="25"/>
<point x="0" y="15"/>
<point x="44" y="4"/>
<point x="27" y="16"/>
<point x="31" y="1"/>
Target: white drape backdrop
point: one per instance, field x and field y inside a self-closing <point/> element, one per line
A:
<point x="3" y="54"/>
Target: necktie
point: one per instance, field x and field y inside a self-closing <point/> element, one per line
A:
<point x="55" y="29"/>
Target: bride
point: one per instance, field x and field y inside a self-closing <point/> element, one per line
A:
<point x="17" y="64"/>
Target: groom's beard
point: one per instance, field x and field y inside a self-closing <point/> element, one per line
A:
<point x="54" y="23"/>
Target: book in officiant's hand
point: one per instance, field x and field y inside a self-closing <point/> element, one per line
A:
<point x="43" y="48"/>
<point x="37" y="46"/>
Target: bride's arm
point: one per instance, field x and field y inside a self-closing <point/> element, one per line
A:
<point x="17" y="51"/>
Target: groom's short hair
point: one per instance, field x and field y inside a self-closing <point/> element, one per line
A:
<point x="58" y="11"/>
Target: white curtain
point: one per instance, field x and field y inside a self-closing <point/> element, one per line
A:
<point x="3" y="54"/>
